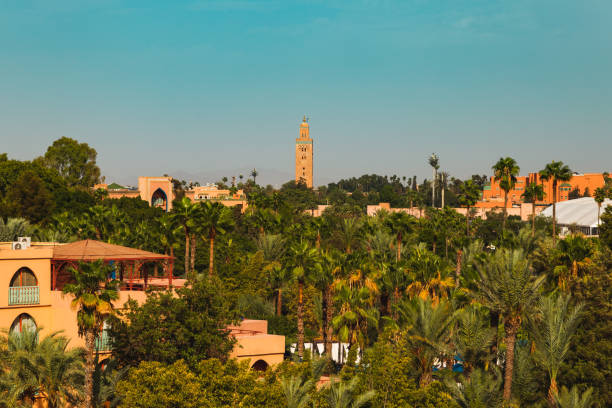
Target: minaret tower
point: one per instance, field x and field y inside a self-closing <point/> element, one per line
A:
<point x="303" y="155"/>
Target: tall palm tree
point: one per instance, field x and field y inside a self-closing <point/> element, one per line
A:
<point x="278" y="277"/>
<point x="533" y="193"/>
<point x="355" y="315"/>
<point x="400" y="224"/>
<point x="42" y="369"/>
<point x="429" y="328"/>
<point x="303" y="262"/>
<point x="434" y="163"/>
<point x="214" y="219"/>
<point x="93" y="294"/>
<point x="254" y="174"/>
<point x="443" y="180"/>
<point x="507" y="286"/>
<point x="599" y="196"/>
<point x="343" y="394"/>
<point x="505" y="171"/>
<point x="556" y="324"/>
<point x="468" y="196"/>
<point x="555" y="171"/>
<point x="331" y="267"/>
<point x="574" y="249"/>
<point x="184" y="212"/>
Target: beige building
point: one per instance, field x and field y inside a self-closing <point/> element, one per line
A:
<point x="33" y="279"/>
<point x="304" y="155"/>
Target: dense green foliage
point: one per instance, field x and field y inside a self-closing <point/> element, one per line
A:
<point x="440" y="310"/>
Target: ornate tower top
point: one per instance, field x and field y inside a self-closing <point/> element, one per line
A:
<point x="304" y="129"/>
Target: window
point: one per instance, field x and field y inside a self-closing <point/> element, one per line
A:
<point x="24" y="288"/>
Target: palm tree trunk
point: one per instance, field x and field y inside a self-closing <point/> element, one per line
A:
<point x="90" y="341"/>
<point x="186" y="251"/>
<point x="327" y="316"/>
<point x="505" y="210"/>
<point x="399" y="247"/>
<point x="574" y="268"/>
<point x="193" y="246"/>
<point x="211" y="255"/>
<point x="300" y="320"/>
<point x="458" y="264"/>
<point x="511" y="330"/>
<point x="533" y="218"/>
<point x="279" y="302"/>
<point x="433" y="188"/>
<point x="330" y="315"/>
<point x="552" y="392"/>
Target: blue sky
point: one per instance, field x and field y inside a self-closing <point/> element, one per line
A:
<point x="217" y="87"/>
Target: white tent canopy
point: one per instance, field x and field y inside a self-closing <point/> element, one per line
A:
<point x="581" y="212"/>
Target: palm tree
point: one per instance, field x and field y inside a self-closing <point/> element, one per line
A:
<point x="506" y="286"/>
<point x="573" y="399"/>
<point x="469" y="195"/>
<point x="574" y="249"/>
<point x="355" y="314"/>
<point x="254" y="174"/>
<point x="13" y="228"/>
<point x="533" y="192"/>
<point x="556" y="324"/>
<point x="43" y="369"/>
<point x="331" y="266"/>
<point x="599" y="196"/>
<point x="343" y="394"/>
<point x="434" y="163"/>
<point x="555" y="171"/>
<point x="479" y="390"/>
<point x="184" y="213"/>
<point x="93" y="294"/>
<point x="473" y="338"/>
<point x="304" y="260"/>
<point x="349" y="234"/>
<point x="297" y="391"/>
<point x="505" y="171"/>
<point x="214" y="219"/>
<point x="443" y="179"/>
<point x="400" y="224"/>
<point x="279" y="277"/>
<point x="429" y="328"/>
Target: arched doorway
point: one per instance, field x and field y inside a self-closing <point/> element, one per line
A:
<point x="23" y="289"/>
<point x="159" y="199"/>
<point x="260" y="365"/>
<point x="23" y="323"/>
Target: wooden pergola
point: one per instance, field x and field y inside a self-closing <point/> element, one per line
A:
<point x="130" y="264"/>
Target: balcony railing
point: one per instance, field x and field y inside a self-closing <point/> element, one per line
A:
<point x="24" y="295"/>
<point x="103" y="342"/>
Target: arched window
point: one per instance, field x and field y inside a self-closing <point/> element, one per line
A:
<point x="24" y="288"/>
<point x="159" y="199"/>
<point x="23" y="322"/>
<point x="24" y="277"/>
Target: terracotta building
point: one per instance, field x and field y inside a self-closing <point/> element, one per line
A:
<point x="304" y="155"/>
<point x="159" y="192"/>
<point x="33" y="279"/>
<point x="493" y="195"/>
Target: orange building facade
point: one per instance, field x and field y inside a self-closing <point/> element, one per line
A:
<point x="493" y="195"/>
<point x="31" y="282"/>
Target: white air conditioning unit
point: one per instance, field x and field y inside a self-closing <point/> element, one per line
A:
<point x="25" y="241"/>
<point x="16" y="246"/>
